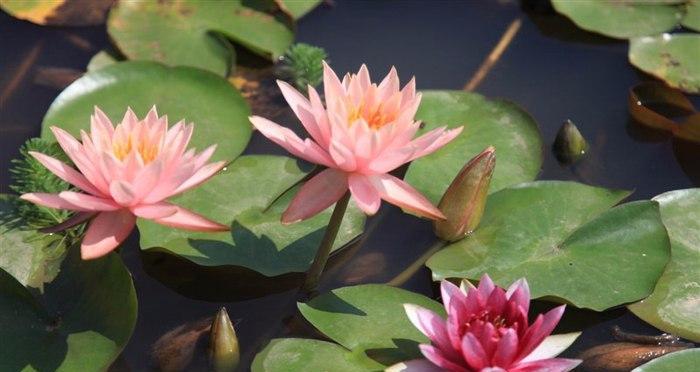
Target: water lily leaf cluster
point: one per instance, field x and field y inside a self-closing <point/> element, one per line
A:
<point x="671" y="58"/>
<point x="566" y="249"/>
<point x="673" y="306"/>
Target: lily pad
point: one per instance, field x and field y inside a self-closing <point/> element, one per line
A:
<point x="101" y="59"/>
<point x="671" y="58"/>
<point x="622" y="19"/>
<point x="297" y="8"/>
<point x="183" y="32"/>
<point x="30" y="257"/>
<point x="684" y="360"/>
<point x="58" y="12"/>
<point x="81" y="322"/>
<point x="250" y="195"/>
<point x="692" y="15"/>
<point x="370" y="319"/>
<point x="504" y="125"/>
<point x="564" y="238"/>
<point x="296" y="354"/>
<point x="674" y="306"/>
<point x="219" y="112"/>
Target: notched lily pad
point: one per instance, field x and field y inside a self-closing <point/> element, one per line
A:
<point x="370" y="319"/>
<point x="622" y="19"/>
<point x="674" y="306"/>
<point x="300" y="355"/>
<point x="250" y="196"/>
<point x="59" y="12"/>
<point x="564" y="238"/>
<point x="184" y="32"/>
<point x="684" y="360"/>
<point x="504" y="125"/>
<point x="219" y="112"/>
<point x="671" y="58"/>
<point x="82" y="321"/>
<point x="30" y="257"/>
<point x="297" y="8"/>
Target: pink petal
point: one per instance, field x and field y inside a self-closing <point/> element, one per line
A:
<point x="204" y="156"/>
<point x="154" y="211"/>
<point x="390" y="84"/>
<point x="390" y="160"/>
<point x="433" y="140"/>
<point x="435" y="355"/>
<point x="71" y="201"/>
<point x="486" y="286"/>
<point x="473" y="352"/>
<point x="547" y="365"/>
<point x="302" y="109"/>
<point x="200" y="176"/>
<point x="123" y="193"/>
<point x="506" y="349"/>
<point x="401" y="194"/>
<point x="64" y="172"/>
<point x="317" y="194"/>
<point x="106" y="232"/>
<point x="416" y="365"/>
<point x="333" y="89"/>
<point x="364" y="194"/>
<point x="307" y="150"/>
<point x="448" y="291"/>
<point x="188" y="220"/>
<point x="342" y="156"/>
<point x="519" y="292"/>
<point x="539" y="330"/>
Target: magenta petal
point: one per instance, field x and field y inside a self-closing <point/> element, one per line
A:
<point x="416" y="365"/>
<point x="106" y="232"/>
<point x="448" y="291"/>
<point x="434" y="355"/>
<point x="519" y="292"/>
<point x="473" y="352"/>
<point x="539" y="330"/>
<point x="506" y="350"/>
<point x="317" y="194"/>
<point x="547" y="365"/>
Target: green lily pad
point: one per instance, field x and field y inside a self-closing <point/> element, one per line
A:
<point x="501" y="124"/>
<point x="684" y="360"/>
<point x="673" y="306"/>
<point x="370" y="319"/>
<point x="297" y="8"/>
<point x="82" y="321"/>
<point x="184" y="32"/>
<point x="297" y="354"/>
<point x="671" y="58"/>
<point x="30" y="257"/>
<point x="101" y="59"/>
<point x="219" y="112"/>
<point x="692" y="15"/>
<point x="564" y="238"/>
<point x="622" y="19"/>
<point x="250" y="195"/>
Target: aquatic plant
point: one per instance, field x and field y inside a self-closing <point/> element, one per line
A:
<point x="302" y="65"/>
<point x="126" y="172"/>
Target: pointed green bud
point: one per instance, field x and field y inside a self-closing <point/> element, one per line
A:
<point x="463" y="202"/>
<point x="223" y="343"/>
<point x="569" y="146"/>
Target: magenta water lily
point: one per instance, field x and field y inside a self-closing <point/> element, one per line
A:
<point x="364" y="132"/>
<point x="486" y="329"/>
<point x="126" y="172"/>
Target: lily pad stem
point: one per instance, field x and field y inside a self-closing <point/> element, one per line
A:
<point x="403" y="276"/>
<point x="313" y="276"/>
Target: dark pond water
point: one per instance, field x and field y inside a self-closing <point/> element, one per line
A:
<point x="552" y="69"/>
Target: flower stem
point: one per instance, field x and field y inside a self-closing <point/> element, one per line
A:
<point x="313" y="276"/>
<point x="403" y="276"/>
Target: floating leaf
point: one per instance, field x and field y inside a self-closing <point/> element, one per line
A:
<point x="692" y="15"/>
<point x="219" y="112"/>
<point x="58" y="12"/>
<point x="671" y="58"/>
<point x="685" y="360"/>
<point x="101" y="59"/>
<point x="370" y="318"/>
<point x="30" y="257"/>
<point x="297" y="8"/>
<point x="81" y="322"/>
<point x="496" y="123"/>
<point x="673" y="306"/>
<point x="183" y="32"/>
<point x="250" y="196"/>
<point x="622" y="19"/>
<point x="297" y="354"/>
<point x="565" y="240"/>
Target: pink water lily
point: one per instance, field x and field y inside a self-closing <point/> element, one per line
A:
<point x="126" y="172"/>
<point x="364" y="132"/>
<point x="486" y="329"/>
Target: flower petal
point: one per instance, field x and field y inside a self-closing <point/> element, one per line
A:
<point x="401" y="194"/>
<point x="435" y="355"/>
<point x="342" y="156"/>
<point x="71" y="201"/>
<point x="547" y="365"/>
<point x="552" y="346"/>
<point x="519" y="292"/>
<point x="66" y="173"/>
<point x="154" y="211"/>
<point x="364" y="194"/>
<point x="123" y="193"/>
<point x="200" y="176"/>
<point x="317" y="194"/>
<point x="473" y="352"/>
<point x="415" y="365"/>
<point x="541" y="328"/>
<point x="506" y="350"/>
<point x="307" y="150"/>
<point x="188" y="220"/>
<point x="106" y="232"/>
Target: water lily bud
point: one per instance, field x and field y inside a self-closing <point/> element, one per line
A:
<point x="464" y="201"/>
<point x="223" y="343"/>
<point x="569" y="146"/>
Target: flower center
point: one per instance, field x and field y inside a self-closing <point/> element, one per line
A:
<point x="375" y="117"/>
<point x="121" y="149"/>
